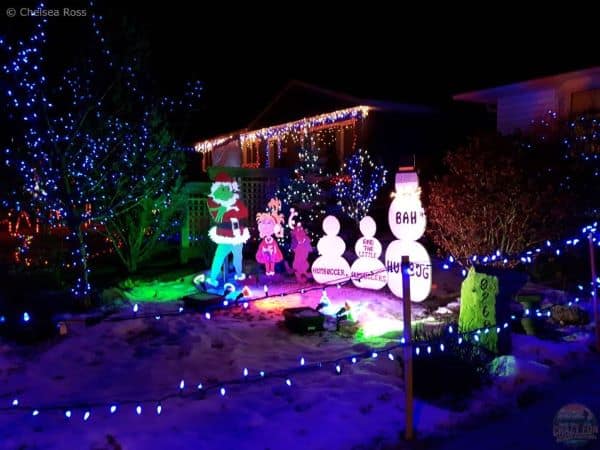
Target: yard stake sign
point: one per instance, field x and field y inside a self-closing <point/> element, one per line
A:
<point x="408" y="267"/>
<point x="478" y="306"/>
<point x="407" y="221"/>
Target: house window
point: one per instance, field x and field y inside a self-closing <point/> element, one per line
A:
<point x="251" y="155"/>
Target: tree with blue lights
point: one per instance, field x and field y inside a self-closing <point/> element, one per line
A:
<point x="570" y="151"/>
<point x="92" y="149"/>
<point x="357" y="184"/>
<point x="303" y="192"/>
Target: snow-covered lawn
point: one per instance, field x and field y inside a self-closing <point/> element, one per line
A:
<point x="136" y="362"/>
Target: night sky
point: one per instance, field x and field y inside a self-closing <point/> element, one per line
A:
<point x="245" y="56"/>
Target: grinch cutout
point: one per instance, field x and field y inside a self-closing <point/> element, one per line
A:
<point x="331" y="267"/>
<point x="269" y="225"/>
<point x="301" y="248"/>
<point x="368" y="271"/>
<point x="227" y="212"/>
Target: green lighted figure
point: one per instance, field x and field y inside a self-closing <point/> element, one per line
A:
<point x="478" y="306"/>
<point x="230" y="235"/>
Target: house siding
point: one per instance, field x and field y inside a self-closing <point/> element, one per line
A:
<point x="515" y="113"/>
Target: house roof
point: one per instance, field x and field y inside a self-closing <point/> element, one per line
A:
<point x="297" y="100"/>
<point x="299" y="103"/>
<point x="587" y="77"/>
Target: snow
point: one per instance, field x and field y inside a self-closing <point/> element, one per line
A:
<point x="530" y="425"/>
<point x="138" y="362"/>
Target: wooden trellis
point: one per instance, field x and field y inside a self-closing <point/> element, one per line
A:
<point x="256" y="193"/>
<point x="195" y="220"/>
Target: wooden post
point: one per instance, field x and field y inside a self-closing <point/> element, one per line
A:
<point x="408" y="362"/>
<point x="594" y="291"/>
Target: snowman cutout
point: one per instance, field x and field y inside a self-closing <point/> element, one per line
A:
<point x="368" y="272"/>
<point x="407" y="221"/>
<point x="330" y="267"/>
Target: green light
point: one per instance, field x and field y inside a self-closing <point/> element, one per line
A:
<point x="380" y="326"/>
<point x="160" y="291"/>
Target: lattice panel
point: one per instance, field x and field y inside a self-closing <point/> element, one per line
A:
<point x="199" y="218"/>
<point x="256" y="193"/>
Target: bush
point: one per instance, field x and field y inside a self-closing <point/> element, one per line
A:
<point x="448" y="378"/>
<point x="495" y="196"/>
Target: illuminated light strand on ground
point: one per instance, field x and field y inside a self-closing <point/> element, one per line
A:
<point x="226" y="304"/>
<point x="334" y="366"/>
<point x="528" y="256"/>
<point x="205" y="312"/>
<point x="589" y="229"/>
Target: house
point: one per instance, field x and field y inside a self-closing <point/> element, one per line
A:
<point x="564" y="96"/>
<point x="262" y="154"/>
<point x="338" y="123"/>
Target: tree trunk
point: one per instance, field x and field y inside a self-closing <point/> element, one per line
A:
<point x="87" y="301"/>
<point x="132" y="267"/>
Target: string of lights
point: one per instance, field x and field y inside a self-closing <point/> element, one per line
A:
<point x="323" y="129"/>
<point x="77" y="159"/>
<point x="358" y="182"/>
<point x="335" y="365"/>
<point x="199" y="390"/>
<point x="497" y="258"/>
<point x="528" y="256"/>
<point x="303" y="126"/>
<point x="229" y="301"/>
<point x="303" y="191"/>
<point x="232" y="298"/>
<point x="580" y="137"/>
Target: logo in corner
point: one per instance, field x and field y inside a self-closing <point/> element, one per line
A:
<point x="575" y="426"/>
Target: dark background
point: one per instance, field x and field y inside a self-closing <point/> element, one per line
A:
<point x="245" y="53"/>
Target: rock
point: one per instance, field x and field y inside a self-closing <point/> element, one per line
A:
<point x="443" y="310"/>
<point x="454" y="306"/>
<point x="503" y="366"/>
<point x="569" y="315"/>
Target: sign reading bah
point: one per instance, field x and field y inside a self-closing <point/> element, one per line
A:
<point x="407" y="221"/>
